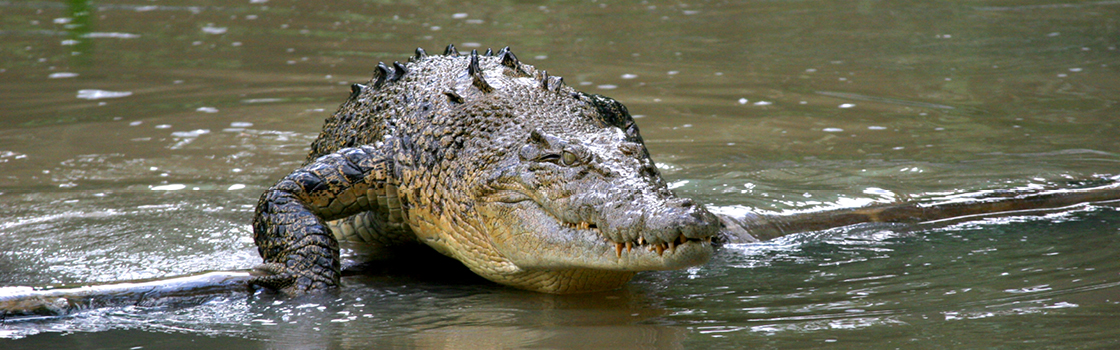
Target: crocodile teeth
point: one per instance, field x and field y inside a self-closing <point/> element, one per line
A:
<point x="582" y="226"/>
<point x="629" y="246"/>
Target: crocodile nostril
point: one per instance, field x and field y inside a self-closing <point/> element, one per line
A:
<point x="630" y="149"/>
<point x="683" y="202"/>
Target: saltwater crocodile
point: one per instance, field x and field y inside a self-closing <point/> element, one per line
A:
<point x="526" y="181"/>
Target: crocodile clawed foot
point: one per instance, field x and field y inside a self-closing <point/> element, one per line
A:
<point x="290" y="282"/>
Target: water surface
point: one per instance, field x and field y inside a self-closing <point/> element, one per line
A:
<point x="136" y="137"/>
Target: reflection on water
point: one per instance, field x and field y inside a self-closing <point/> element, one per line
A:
<point x="901" y="287"/>
<point x="137" y="137"/>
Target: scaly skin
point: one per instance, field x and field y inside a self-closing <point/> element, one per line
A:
<point x="527" y="182"/>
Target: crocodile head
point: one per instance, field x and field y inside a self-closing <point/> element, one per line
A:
<point x="528" y="182"/>
<point x="581" y="197"/>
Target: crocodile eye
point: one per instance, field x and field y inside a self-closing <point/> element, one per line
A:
<point x="569" y="158"/>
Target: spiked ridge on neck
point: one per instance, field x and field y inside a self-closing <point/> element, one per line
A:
<point x="559" y="83"/>
<point x="400" y="71"/>
<point x="356" y="90"/>
<point x="475" y="72"/>
<point x="383" y="73"/>
<point x="508" y="59"/>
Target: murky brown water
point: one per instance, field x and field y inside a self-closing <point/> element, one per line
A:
<point x="136" y="137"/>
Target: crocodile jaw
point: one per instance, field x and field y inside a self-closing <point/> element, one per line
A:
<point x="532" y="239"/>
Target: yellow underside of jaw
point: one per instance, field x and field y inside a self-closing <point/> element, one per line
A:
<point x="489" y="265"/>
<point x="567" y="281"/>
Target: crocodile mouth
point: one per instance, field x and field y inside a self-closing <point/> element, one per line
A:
<point x="533" y="237"/>
<point x="640" y="243"/>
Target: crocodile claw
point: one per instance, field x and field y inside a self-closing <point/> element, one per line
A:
<point x="290" y="282"/>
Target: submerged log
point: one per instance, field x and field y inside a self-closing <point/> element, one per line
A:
<point x="16" y="302"/>
<point x="957" y="208"/>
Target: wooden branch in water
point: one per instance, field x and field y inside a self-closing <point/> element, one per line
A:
<point x="766" y="227"/>
<point x="18" y="302"/>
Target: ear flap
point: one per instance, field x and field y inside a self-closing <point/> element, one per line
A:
<point x="538" y="137"/>
<point x="538" y="141"/>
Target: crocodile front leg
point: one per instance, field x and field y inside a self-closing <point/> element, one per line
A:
<point x="300" y="253"/>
